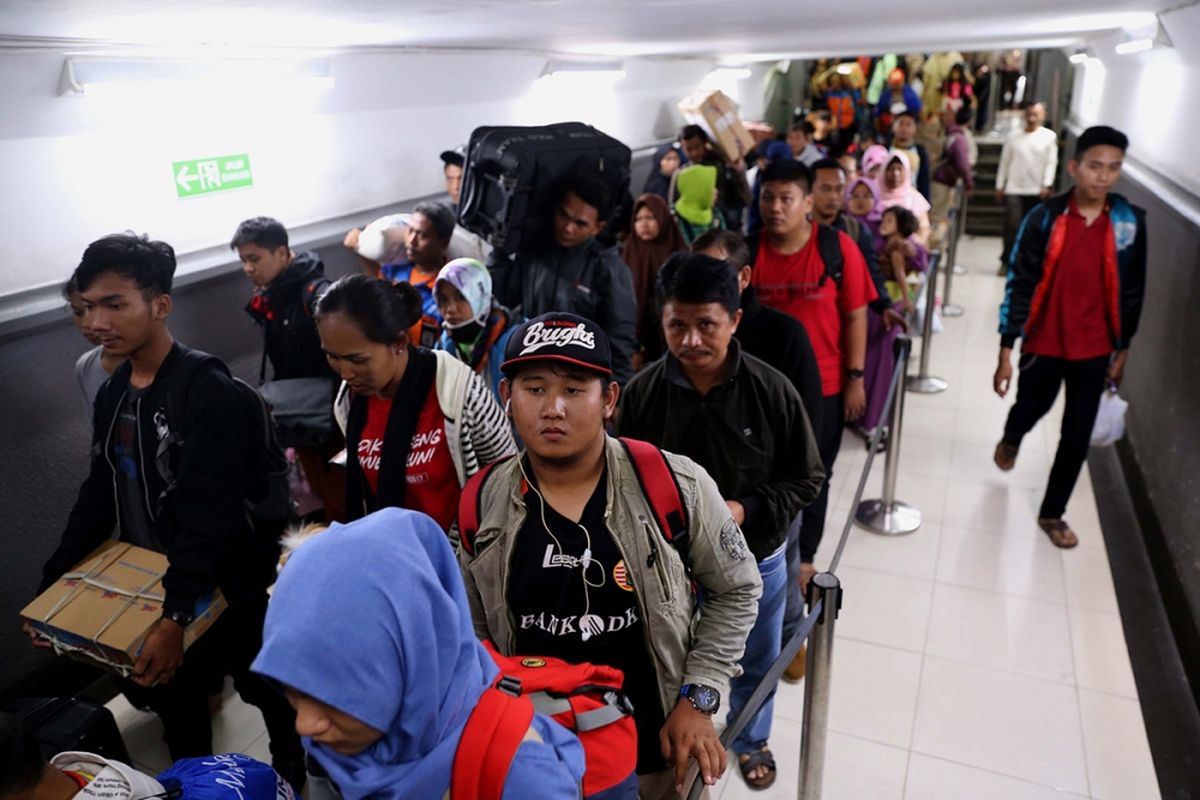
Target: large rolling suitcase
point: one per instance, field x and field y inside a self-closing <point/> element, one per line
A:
<point x="62" y="724"/>
<point x="514" y="176"/>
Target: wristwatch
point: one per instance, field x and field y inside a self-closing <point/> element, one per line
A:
<point x="854" y="374"/>
<point x="180" y="618"/>
<point x="704" y="699"/>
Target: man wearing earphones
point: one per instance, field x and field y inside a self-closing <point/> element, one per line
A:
<point x="744" y="422"/>
<point x="568" y="561"/>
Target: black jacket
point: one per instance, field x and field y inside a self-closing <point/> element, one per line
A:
<point x="780" y="340"/>
<point x="750" y="433"/>
<point x="590" y="280"/>
<point x="202" y="525"/>
<point x="284" y="310"/>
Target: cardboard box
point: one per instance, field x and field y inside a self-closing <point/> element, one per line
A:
<point x="103" y="609"/>
<point x="717" y="115"/>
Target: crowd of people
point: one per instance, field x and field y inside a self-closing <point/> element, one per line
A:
<point x="569" y="452"/>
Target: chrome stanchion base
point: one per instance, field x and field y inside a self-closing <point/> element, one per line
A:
<point x="951" y="310"/>
<point x="959" y="269"/>
<point x="926" y="385"/>
<point x="895" y="521"/>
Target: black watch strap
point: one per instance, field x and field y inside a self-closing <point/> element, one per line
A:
<point x="181" y="618"/>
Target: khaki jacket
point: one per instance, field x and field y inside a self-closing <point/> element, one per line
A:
<point x="684" y="646"/>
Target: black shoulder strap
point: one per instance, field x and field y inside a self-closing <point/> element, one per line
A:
<point x="169" y="428"/>
<point x="752" y="241"/>
<point x="830" y="247"/>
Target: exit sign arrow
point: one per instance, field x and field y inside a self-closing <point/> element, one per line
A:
<point x="185" y="180"/>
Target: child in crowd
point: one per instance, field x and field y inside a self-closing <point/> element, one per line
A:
<point x="901" y="258"/>
<point x="93" y="367"/>
<point x="475" y="327"/>
<point x="957" y="91"/>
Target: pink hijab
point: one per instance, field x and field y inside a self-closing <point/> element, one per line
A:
<point x="904" y="195"/>
<point x="875" y="155"/>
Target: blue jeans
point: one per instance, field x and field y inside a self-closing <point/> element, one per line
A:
<point x="762" y="648"/>
<point x="793" y="613"/>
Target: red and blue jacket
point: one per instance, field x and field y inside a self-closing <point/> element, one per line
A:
<point x="1036" y="254"/>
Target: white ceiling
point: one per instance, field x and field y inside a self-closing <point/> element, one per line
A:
<point x="726" y="28"/>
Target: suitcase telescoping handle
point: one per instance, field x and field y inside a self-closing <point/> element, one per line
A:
<point x="473" y="210"/>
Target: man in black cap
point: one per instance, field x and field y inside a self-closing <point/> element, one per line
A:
<point x="565" y="562"/>
<point x="453" y="163"/>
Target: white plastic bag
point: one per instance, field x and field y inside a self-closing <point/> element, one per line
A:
<point x="1110" y="418"/>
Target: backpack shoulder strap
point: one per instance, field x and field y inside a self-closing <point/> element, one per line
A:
<point x="468" y="505"/>
<point x="752" y="241"/>
<point x="830" y="247"/>
<point x="170" y="430"/>
<point x="489" y="743"/>
<point x="661" y="489"/>
<point x="312" y="293"/>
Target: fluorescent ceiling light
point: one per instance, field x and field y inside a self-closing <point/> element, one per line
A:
<point x="81" y="73"/>
<point x="1134" y="46"/>
<point x="845" y="69"/>
<point x="1079" y="58"/>
<point x="605" y="69"/>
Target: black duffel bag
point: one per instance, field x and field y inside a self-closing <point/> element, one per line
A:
<point x="513" y="177"/>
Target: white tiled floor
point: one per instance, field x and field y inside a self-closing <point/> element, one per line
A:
<point x="974" y="660"/>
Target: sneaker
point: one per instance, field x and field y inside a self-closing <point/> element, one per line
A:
<point x="1006" y="455"/>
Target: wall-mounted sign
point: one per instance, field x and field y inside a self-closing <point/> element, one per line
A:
<point x="208" y="175"/>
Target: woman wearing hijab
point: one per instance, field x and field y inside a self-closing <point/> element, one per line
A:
<point x="655" y="237"/>
<point x="864" y="204"/>
<point x="896" y="189"/>
<point x="667" y="161"/>
<point x="695" y="195"/>
<point x="873" y="160"/>
<point x="475" y="328"/>
<point x="370" y="637"/>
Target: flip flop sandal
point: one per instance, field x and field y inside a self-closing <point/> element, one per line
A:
<point x="759" y="758"/>
<point x="1060" y="533"/>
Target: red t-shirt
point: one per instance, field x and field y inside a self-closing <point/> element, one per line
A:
<point x="793" y="284"/>
<point x="432" y="481"/>
<point x="1074" y="322"/>
<point x="370" y="446"/>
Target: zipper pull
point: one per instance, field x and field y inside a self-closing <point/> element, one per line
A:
<point x="650" y="559"/>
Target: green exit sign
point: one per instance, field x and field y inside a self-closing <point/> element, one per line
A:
<point x="207" y="175"/>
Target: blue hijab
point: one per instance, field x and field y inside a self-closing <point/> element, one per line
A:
<point x="372" y="619"/>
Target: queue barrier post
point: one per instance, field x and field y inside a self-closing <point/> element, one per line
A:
<point x="825" y="589"/>
<point x="957" y="227"/>
<point x="888" y="516"/>
<point x="923" y="382"/>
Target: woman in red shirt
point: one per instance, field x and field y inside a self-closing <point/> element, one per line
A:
<point x="418" y="423"/>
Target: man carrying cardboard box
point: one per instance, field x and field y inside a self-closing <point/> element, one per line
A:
<point x="172" y="457"/>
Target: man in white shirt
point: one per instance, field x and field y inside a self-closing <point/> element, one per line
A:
<point x="1028" y="164"/>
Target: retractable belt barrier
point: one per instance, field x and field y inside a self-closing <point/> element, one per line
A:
<point x="824" y="601"/>
<point x="956" y="227"/>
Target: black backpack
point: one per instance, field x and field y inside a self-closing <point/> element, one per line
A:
<point x="266" y="495"/>
<point x="828" y="244"/>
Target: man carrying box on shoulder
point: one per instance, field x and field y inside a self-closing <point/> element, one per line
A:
<point x="172" y="468"/>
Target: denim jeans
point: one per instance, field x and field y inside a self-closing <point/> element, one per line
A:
<point x="793" y="613"/>
<point x="762" y="648"/>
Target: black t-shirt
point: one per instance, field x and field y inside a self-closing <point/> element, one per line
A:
<point x="552" y="609"/>
<point x="136" y="527"/>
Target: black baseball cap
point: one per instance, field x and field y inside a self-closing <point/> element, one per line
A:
<point x="559" y="336"/>
<point x="457" y="156"/>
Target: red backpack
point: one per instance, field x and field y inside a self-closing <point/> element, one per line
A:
<point x="585" y="699"/>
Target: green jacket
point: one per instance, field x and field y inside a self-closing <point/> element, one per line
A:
<point x="684" y="646"/>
